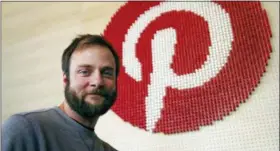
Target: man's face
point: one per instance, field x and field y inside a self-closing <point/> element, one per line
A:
<point x="91" y="90"/>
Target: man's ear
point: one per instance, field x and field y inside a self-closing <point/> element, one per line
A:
<point x="65" y="79"/>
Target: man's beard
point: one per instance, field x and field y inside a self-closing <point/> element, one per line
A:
<point x="85" y="109"/>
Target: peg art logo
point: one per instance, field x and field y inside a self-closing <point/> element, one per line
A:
<point x="187" y="64"/>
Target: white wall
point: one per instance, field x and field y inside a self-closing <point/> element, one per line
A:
<point x="34" y="36"/>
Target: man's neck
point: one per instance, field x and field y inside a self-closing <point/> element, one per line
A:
<point x="87" y="122"/>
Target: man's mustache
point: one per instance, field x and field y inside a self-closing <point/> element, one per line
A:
<point x="98" y="92"/>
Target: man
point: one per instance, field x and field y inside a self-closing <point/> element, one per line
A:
<point x="90" y="68"/>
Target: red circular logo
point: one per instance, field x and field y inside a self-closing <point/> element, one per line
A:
<point x="187" y="64"/>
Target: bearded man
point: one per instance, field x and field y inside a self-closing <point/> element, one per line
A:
<point x="90" y="68"/>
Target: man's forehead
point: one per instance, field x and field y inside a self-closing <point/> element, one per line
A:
<point x="93" y="55"/>
<point x="92" y="66"/>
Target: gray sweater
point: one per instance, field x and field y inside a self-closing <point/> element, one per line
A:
<point x="48" y="130"/>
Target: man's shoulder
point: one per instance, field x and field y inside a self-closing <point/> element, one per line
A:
<point x="25" y="119"/>
<point x="14" y="125"/>
<point x="38" y="114"/>
<point x="21" y="130"/>
<point x="106" y="146"/>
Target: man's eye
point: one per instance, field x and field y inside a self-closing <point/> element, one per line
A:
<point x="83" y="72"/>
<point x="108" y="73"/>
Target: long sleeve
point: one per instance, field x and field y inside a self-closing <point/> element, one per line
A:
<point x="18" y="135"/>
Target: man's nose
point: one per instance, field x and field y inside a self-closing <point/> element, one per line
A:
<point x="96" y="80"/>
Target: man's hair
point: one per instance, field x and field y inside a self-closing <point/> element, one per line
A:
<point x="86" y="40"/>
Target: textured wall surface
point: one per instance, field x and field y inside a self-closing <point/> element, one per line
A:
<point x="34" y="35"/>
